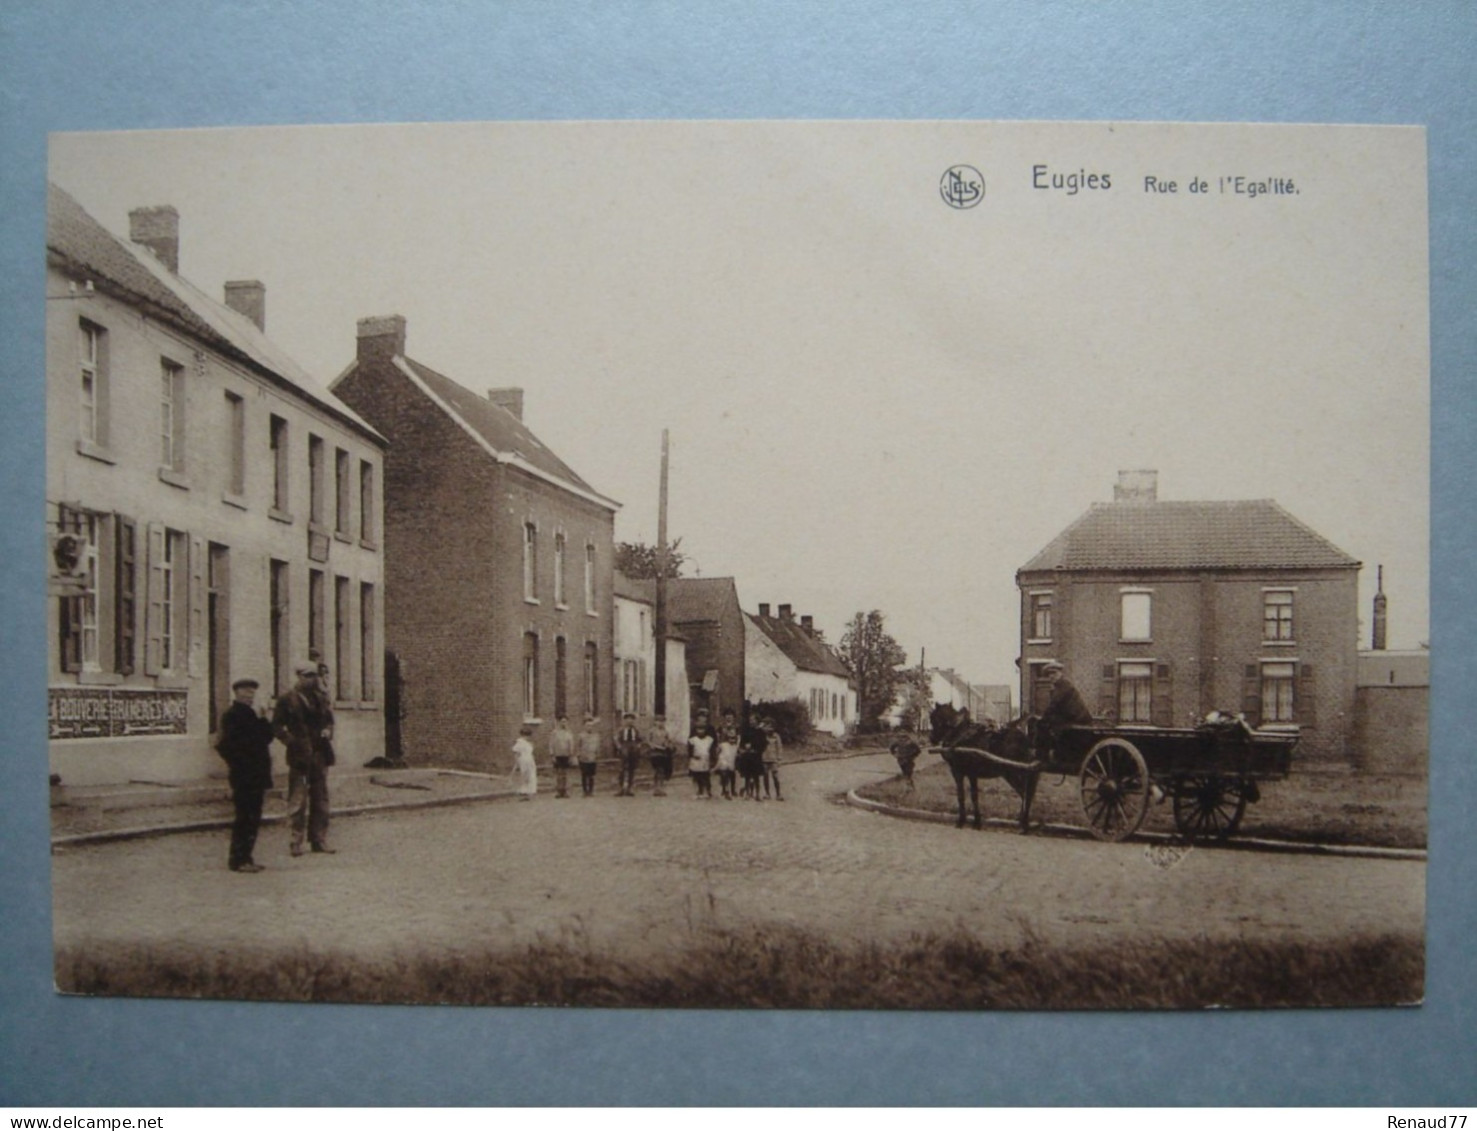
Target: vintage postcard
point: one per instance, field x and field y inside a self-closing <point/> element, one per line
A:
<point x="916" y="565"/>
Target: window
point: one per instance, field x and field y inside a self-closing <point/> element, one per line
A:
<point x="630" y="694"/>
<point x="1135" y="618"/>
<point x="315" y="480"/>
<point x="171" y="416"/>
<point x="1278" y="700"/>
<point x="173" y="580"/>
<point x="317" y="611"/>
<point x="280" y="625"/>
<point x="343" y="649"/>
<point x="92" y="422"/>
<point x="589" y="577"/>
<point x="280" y="466"/>
<point x="235" y="444"/>
<point x="592" y="680"/>
<point x="561" y="677"/>
<point x="559" y="594"/>
<point x="1041" y="616"/>
<point x="530" y="675"/>
<point x="79" y="607"/>
<point x="1135" y="692"/>
<point x="367" y="665"/>
<point x="366" y="502"/>
<point x="530" y="562"/>
<point x="342" y="493"/>
<point x="1277" y="615"/>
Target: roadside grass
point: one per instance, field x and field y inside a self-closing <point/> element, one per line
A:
<point x="787" y="968"/>
<point x="1385" y="810"/>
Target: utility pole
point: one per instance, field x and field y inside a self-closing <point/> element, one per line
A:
<point x="661" y="587"/>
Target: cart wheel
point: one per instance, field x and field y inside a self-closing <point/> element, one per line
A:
<point x="1209" y="808"/>
<point x="1115" y="789"/>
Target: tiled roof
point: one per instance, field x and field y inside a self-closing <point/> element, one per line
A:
<point x="802" y="649"/>
<point x="85" y="247"/>
<point x="502" y="431"/>
<point x="1248" y="534"/>
<point x="699" y="598"/>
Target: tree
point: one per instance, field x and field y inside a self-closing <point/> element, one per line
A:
<point x="918" y="698"/>
<point x="873" y="657"/>
<point x="638" y="560"/>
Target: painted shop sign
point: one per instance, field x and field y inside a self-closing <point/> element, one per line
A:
<point x="106" y="712"/>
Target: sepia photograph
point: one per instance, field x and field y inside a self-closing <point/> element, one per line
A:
<point x="740" y="564"/>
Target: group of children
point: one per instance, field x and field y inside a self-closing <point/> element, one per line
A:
<point x="752" y="753"/>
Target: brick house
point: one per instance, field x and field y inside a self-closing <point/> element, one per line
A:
<point x="705" y="612"/>
<point x="214" y="512"/>
<point x="784" y="659"/>
<point x="1164" y="611"/>
<point x="498" y="562"/>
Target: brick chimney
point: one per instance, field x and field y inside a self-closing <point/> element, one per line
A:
<point x="808" y="623"/>
<point x="248" y="297"/>
<point x="157" y="229"/>
<point x="1141" y="486"/>
<point x="1381" y="616"/>
<point x="510" y="399"/>
<point x="764" y="611"/>
<point x="381" y="338"/>
<point x="787" y="612"/>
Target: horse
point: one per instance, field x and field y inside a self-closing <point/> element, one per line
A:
<point x="960" y="737"/>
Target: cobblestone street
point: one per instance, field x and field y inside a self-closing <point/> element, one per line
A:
<point x="645" y="872"/>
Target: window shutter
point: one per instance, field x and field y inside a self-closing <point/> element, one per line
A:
<point x="1162" y="706"/>
<point x="197" y="606"/>
<point x="125" y="583"/>
<point x="1108" y="693"/>
<point x="154" y="603"/>
<point x="1305" y="702"/>
<point x="1251" y="695"/>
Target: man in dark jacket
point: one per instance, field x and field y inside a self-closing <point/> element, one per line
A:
<point x="304" y="724"/>
<point x="1066" y="706"/>
<point x="245" y="738"/>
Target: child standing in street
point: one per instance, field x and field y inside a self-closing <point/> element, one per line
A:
<point x="659" y="749"/>
<point x="525" y="769"/>
<point x="727" y="760"/>
<point x="589" y="755"/>
<point x="561" y="746"/>
<point x="628" y="754"/>
<point x="700" y="758"/>
<point x="773" y="750"/>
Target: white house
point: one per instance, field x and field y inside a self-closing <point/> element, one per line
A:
<point x="214" y="512"/>
<point x="791" y="662"/>
<point x="635" y="658"/>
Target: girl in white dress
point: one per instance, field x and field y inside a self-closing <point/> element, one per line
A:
<point x="525" y="770"/>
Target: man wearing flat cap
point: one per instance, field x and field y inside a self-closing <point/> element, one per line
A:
<point x="1066" y="706"/>
<point x="244" y="743"/>
<point x="303" y="724"/>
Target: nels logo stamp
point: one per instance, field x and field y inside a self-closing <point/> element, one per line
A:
<point x="962" y="186"/>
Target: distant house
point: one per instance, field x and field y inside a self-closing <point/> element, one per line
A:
<point x="705" y="612"/>
<point x="213" y="511"/>
<point x="784" y="659"/>
<point x="635" y="658"/>
<point x="499" y="561"/>
<point x="1165" y="611"/>
<point x="947" y="686"/>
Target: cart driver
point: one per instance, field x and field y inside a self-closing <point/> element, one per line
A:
<point x="1065" y="707"/>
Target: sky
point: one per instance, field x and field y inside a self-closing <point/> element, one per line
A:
<point x="875" y="399"/>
